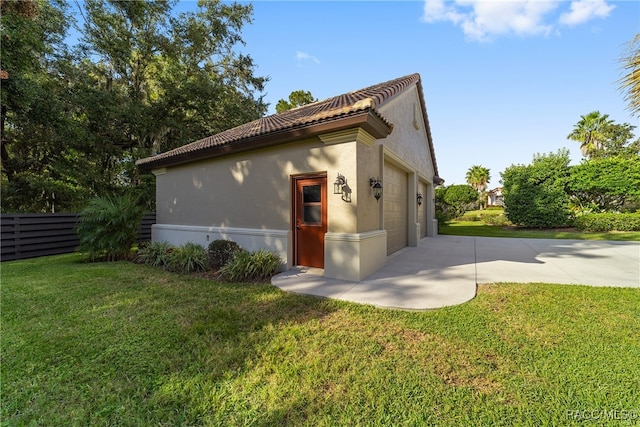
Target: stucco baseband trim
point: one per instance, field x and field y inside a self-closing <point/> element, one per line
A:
<point x="251" y="239"/>
<point x="354" y="256"/>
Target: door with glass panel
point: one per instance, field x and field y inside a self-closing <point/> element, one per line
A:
<point x="310" y="220"/>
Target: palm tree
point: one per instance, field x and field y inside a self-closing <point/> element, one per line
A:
<point x="631" y="81"/>
<point x="478" y="177"/>
<point x="591" y="132"/>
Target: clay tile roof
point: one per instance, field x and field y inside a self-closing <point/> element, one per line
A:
<point x="358" y="108"/>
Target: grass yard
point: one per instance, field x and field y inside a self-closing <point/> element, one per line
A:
<point x="479" y="228"/>
<point x="129" y="345"/>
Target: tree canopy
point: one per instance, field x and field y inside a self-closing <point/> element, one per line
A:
<point x="605" y="184"/>
<point x="297" y="98"/>
<point x="600" y="137"/>
<point x="478" y="177"/>
<point x="142" y="80"/>
<point x="591" y="132"/>
<point x="458" y="198"/>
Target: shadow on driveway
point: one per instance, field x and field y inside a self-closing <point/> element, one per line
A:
<point x="445" y="270"/>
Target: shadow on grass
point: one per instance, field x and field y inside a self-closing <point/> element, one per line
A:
<point x="124" y="344"/>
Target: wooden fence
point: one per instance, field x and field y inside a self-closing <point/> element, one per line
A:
<point x="33" y="235"/>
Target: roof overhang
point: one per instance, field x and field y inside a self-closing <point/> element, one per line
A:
<point x="369" y="120"/>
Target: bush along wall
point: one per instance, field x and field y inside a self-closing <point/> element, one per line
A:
<point x="608" y="222"/>
<point x="223" y="257"/>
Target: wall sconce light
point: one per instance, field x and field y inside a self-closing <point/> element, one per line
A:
<point x="376" y="187"/>
<point x="338" y="183"/>
<point x="419" y="198"/>
<point x="346" y="193"/>
<point x="340" y="186"/>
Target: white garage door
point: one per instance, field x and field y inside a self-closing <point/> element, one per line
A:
<point x="422" y="210"/>
<point x="395" y="207"/>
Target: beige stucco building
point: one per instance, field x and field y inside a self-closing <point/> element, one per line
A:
<point x="301" y="183"/>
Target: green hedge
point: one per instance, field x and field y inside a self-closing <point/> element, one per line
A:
<point x="497" y="220"/>
<point x="608" y="222"/>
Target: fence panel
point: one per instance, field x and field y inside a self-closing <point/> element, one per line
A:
<point x="32" y="235"/>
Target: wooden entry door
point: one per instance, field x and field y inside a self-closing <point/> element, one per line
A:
<point x="310" y="220"/>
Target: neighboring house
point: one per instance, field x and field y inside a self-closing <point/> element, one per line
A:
<point x="301" y="183"/>
<point x="495" y="197"/>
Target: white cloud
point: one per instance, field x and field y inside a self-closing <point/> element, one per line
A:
<point x="303" y="56"/>
<point x="585" y="10"/>
<point x="482" y="20"/>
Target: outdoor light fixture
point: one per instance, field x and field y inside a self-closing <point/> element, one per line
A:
<point x="346" y="193"/>
<point x="419" y="198"/>
<point x="338" y="183"/>
<point x="340" y="186"/>
<point x="376" y="186"/>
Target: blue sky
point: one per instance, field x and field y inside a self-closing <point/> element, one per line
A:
<point x="502" y="79"/>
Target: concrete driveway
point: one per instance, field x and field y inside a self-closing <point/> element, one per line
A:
<point x="444" y="270"/>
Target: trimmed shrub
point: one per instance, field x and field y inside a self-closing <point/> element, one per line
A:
<point x="155" y="254"/>
<point x="188" y="258"/>
<point x="220" y="252"/>
<point x="108" y="227"/>
<point x="497" y="220"/>
<point x="442" y="217"/>
<point x="251" y="266"/>
<point x="470" y="216"/>
<point x="608" y="222"/>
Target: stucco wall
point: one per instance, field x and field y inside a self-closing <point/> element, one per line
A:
<point x="252" y="190"/>
<point x="407" y="142"/>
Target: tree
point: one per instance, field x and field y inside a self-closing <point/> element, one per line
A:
<point x="36" y="122"/>
<point x="459" y="198"/>
<point x="478" y="177"/>
<point x="297" y="98"/>
<point x="591" y="132"/>
<point x="173" y="78"/>
<point x="630" y="82"/>
<point x="620" y="142"/>
<point x="143" y="80"/>
<point x="601" y="137"/>
<point x="534" y="195"/>
<point x="605" y="184"/>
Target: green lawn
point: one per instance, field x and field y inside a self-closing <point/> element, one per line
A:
<point x="129" y="345"/>
<point x="479" y="228"/>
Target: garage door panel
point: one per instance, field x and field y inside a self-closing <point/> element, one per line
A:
<point x="395" y="207"/>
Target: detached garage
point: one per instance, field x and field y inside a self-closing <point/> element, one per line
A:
<point x="338" y="184"/>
